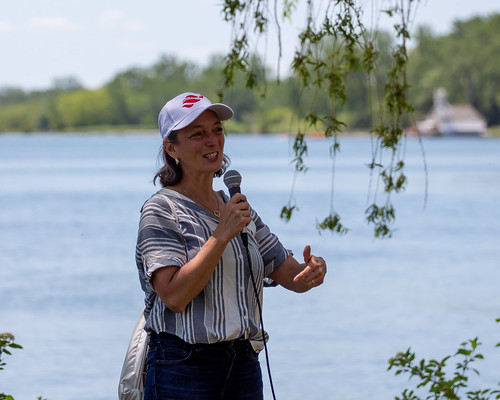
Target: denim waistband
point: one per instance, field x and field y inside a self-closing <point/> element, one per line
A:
<point x="237" y="343"/>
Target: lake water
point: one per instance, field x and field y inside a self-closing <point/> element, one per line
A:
<point x="69" y="292"/>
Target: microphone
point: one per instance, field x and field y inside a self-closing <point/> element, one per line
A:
<point x="232" y="179"/>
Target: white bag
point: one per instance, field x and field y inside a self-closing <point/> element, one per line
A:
<point x="131" y="386"/>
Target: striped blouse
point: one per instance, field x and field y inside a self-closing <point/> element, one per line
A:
<point x="172" y="230"/>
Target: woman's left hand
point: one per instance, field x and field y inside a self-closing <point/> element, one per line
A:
<point x="314" y="271"/>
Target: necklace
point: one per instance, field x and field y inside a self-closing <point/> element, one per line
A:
<point x="216" y="213"/>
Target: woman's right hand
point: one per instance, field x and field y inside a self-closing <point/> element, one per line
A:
<point x="235" y="216"/>
<point x="177" y="287"/>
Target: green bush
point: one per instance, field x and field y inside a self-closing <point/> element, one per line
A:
<point x="7" y="343"/>
<point x="432" y="375"/>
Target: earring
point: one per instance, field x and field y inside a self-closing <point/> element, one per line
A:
<point x="176" y="161"/>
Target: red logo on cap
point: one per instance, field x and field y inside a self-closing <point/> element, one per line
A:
<point x="190" y="100"/>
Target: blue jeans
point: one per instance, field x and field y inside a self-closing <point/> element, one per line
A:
<point x="182" y="371"/>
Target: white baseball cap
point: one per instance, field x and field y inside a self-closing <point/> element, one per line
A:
<point x="184" y="109"/>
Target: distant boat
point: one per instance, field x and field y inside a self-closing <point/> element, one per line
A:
<point x="451" y="120"/>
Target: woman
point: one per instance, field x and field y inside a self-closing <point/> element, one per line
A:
<point x="202" y="310"/>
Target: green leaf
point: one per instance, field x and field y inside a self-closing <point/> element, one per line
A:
<point x="333" y="224"/>
<point x="286" y="212"/>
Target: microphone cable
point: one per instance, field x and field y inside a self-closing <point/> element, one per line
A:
<point x="232" y="179"/>
<point x="256" y="292"/>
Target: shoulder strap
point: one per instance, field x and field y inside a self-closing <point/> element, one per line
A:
<point x="172" y="206"/>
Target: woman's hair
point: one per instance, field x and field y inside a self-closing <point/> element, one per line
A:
<point x="171" y="173"/>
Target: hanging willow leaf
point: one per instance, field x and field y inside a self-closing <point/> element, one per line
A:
<point x="333" y="46"/>
<point x="286" y="212"/>
<point x="332" y="223"/>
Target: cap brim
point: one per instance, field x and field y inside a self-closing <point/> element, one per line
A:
<point x="223" y="112"/>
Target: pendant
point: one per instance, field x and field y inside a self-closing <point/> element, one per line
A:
<point x="217" y="214"/>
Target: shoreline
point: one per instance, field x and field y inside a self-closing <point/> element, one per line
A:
<point x="493" y="134"/>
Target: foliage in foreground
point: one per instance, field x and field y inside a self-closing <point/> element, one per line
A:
<point x="6" y="344"/>
<point x="435" y="377"/>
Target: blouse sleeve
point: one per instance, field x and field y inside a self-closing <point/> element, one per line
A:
<point x="272" y="251"/>
<point x="159" y="241"/>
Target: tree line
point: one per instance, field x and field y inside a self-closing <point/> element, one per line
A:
<point x="463" y="62"/>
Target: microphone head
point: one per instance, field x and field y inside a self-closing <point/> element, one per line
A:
<point x="232" y="179"/>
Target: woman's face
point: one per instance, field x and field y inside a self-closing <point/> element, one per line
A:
<point x="200" y="145"/>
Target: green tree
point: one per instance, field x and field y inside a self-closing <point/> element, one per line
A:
<point x="24" y="116"/>
<point x="139" y="93"/>
<point x="66" y="84"/>
<point x="464" y="62"/>
<point x="11" y="95"/>
<point x="82" y="108"/>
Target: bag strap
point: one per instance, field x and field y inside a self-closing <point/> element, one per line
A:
<point x="174" y="212"/>
<point x="172" y="206"/>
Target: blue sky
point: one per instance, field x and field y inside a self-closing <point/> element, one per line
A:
<point x="94" y="39"/>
